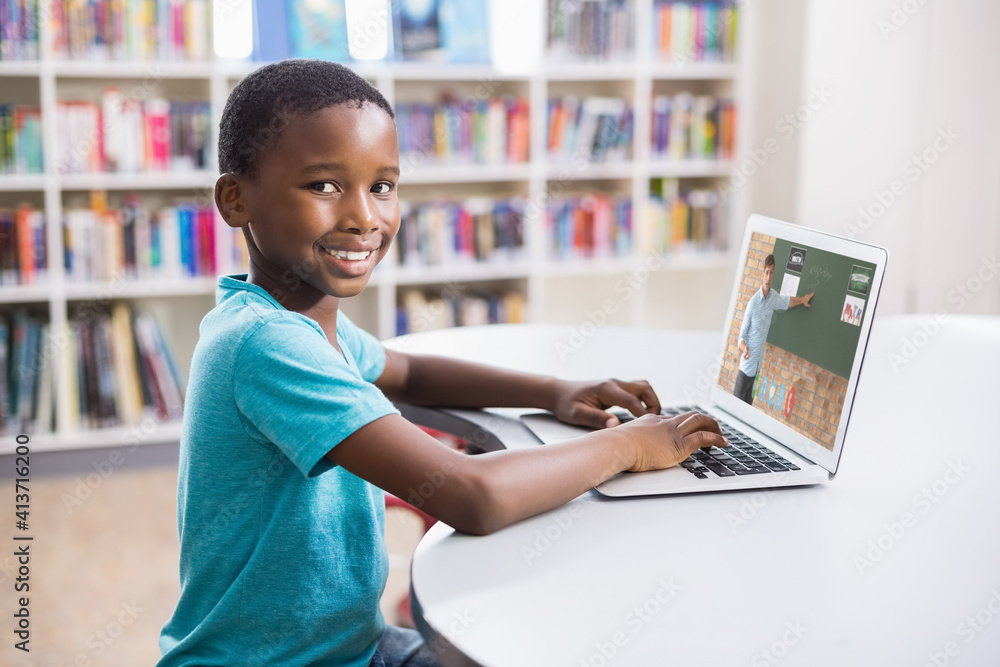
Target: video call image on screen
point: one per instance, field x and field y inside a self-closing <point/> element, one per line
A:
<point x="790" y="351"/>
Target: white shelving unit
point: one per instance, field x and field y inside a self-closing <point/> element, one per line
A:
<point x="179" y="306"/>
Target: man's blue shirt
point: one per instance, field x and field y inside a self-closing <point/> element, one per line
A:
<point x="282" y="558"/>
<point x="756" y="322"/>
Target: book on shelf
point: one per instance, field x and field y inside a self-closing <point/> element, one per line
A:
<point x="131" y="136"/>
<point x="692" y="127"/>
<point x="316" y="29"/>
<point x="120" y="370"/>
<point x="25" y="374"/>
<point x="687" y="32"/>
<point x="455" y="306"/>
<point x="22" y="246"/>
<point x="465" y="31"/>
<point x="416" y="29"/>
<point x="477" y="229"/>
<point x="685" y="221"/>
<point x="598" y="129"/>
<point x="464" y="132"/>
<point x="19" y="30"/>
<point x="589" y="226"/>
<point x="131" y="30"/>
<point x="20" y="139"/>
<point x="133" y="242"/>
<point x="590" y="30"/>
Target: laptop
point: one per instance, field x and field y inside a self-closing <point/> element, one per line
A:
<point x="786" y="417"/>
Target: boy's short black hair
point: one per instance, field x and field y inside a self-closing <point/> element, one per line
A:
<point x="264" y="101"/>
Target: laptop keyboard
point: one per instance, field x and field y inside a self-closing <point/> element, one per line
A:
<point x="743" y="456"/>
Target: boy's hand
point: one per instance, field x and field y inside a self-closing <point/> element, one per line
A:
<point x="663" y="442"/>
<point x="583" y="403"/>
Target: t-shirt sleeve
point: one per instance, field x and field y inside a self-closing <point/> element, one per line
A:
<point x="783" y="302"/>
<point x="296" y="391"/>
<point x="368" y="352"/>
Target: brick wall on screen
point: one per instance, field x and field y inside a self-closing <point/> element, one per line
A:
<point x="819" y="394"/>
<point x="760" y="247"/>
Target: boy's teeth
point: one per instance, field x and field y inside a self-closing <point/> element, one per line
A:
<point x="348" y="254"/>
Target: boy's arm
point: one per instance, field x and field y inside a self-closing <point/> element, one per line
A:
<point x="445" y="382"/>
<point x="483" y="493"/>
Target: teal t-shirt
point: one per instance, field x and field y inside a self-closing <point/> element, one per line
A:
<point x="282" y="558"/>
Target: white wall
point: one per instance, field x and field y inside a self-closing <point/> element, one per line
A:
<point x="901" y="82"/>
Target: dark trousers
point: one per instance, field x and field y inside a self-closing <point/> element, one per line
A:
<point x="743" y="389"/>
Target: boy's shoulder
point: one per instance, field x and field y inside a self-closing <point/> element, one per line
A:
<point x="244" y="311"/>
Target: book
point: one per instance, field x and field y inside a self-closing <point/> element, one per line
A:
<point x="420" y="311"/>
<point x="589" y="226"/>
<point x="689" y="127"/>
<point x="476" y="229"/>
<point x="685" y="220"/>
<point x="416" y="29"/>
<point x="600" y="30"/>
<point x="464" y="28"/>
<point x="598" y="129"/>
<point x="271" y="39"/>
<point x="129" y="30"/>
<point x="318" y="29"/>
<point x="686" y="32"/>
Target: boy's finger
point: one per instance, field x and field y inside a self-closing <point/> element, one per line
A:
<point x="617" y="395"/>
<point x="584" y="415"/>
<point x="645" y="392"/>
<point x="699" y="422"/>
<point x="701" y="439"/>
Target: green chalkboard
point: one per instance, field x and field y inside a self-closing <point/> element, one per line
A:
<point x="818" y="333"/>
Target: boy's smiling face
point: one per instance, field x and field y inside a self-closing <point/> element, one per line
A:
<point x="322" y="210"/>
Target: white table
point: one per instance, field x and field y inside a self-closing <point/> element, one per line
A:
<point x="896" y="561"/>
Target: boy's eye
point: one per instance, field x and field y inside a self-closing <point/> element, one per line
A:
<point x="382" y="188"/>
<point x="325" y="186"/>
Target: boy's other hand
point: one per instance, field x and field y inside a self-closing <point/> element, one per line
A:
<point x="663" y="442"/>
<point x="584" y="403"/>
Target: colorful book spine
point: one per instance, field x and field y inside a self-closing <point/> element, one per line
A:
<point x="599" y="129"/>
<point x="474" y="230"/>
<point x="20" y="139"/>
<point x="419" y="311"/>
<point x="132" y="242"/>
<point x="23" y="248"/>
<point x="478" y="132"/>
<point x="687" y="32"/>
<point x="24" y="363"/>
<point x="19" y="30"/>
<point x="689" y="127"/>
<point x="130" y="29"/>
<point x="589" y="226"/>
<point x="590" y="30"/>
<point x="130" y="136"/>
<point x="121" y="370"/>
<point x="685" y="221"/>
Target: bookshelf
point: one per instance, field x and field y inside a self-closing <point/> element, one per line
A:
<point x="553" y="290"/>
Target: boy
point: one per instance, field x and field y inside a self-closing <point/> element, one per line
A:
<point x="288" y="425"/>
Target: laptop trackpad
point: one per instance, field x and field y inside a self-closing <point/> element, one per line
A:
<point x="548" y="429"/>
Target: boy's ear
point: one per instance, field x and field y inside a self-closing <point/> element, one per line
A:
<point x="231" y="201"/>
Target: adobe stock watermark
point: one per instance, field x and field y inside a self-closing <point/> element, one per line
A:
<point x="103" y="638"/>
<point x="778" y="649"/>
<point x="959" y="296"/>
<point x="899" y="16"/>
<point x="627" y="286"/>
<point x="752" y="504"/>
<point x="912" y="170"/>
<point x="634" y="621"/>
<point x="923" y="501"/>
<point x="968" y="630"/>
<point x="562" y="522"/>
<point x="786" y="127"/>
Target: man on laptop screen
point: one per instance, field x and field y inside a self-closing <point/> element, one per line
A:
<point x="756" y="323"/>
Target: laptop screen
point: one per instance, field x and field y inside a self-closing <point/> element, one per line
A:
<point x="800" y="318"/>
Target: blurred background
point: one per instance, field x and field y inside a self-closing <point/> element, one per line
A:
<point x="585" y="163"/>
